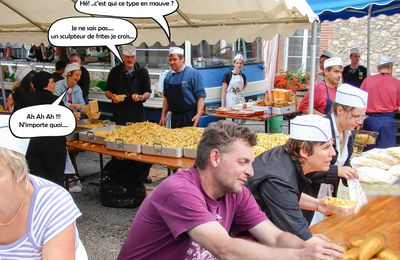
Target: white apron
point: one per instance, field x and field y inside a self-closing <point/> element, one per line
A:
<point x="233" y="91"/>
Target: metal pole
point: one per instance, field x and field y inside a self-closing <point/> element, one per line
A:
<point x="369" y="39"/>
<point x="3" y="92"/>
<point x="112" y="57"/>
<point x="312" y="73"/>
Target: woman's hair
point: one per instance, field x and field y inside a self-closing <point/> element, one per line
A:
<point x="220" y="136"/>
<point x="293" y="147"/>
<point x="16" y="161"/>
<point x="25" y="83"/>
<point x="69" y="74"/>
<point x="345" y="108"/>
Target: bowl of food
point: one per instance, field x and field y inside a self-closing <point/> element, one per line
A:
<point x="358" y="148"/>
<point x="366" y="137"/>
<point x="340" y="206"/>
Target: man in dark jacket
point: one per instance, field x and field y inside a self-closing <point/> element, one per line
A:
<point x="280" y="174"/>
<point x="128" y="87"/>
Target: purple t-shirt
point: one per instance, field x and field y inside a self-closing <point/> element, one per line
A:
<point x="178" y="205"/>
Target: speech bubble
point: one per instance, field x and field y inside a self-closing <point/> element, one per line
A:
<point x="43" y="120"/>
<point x="92" y="31"/>
<point x="155" y="9"/>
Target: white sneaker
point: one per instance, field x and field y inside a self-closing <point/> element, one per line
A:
<point x="75" y="188"/>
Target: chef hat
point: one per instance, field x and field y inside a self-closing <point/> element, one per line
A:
<point x="238" y="57"/>
<point x="176" y="50"/>
<point x="21" y="72"/>
<point x="333" y="62"/>
<point x="385" y="60"/>
<point x="326" y="54"/>
<point x="71" y="67"/>
<point x="128" y="50"/>
<point x="351" y="96"/>
<point x="8" y="140"/>
<point x="354" y="51"/>
<point x="310" y="128"/>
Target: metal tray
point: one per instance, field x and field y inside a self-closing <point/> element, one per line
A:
<point x="159" y="150"/>
<point x="189" y="153"/>
<point x="88" y="136"/>
<point x="106" y="123"/>
<point x="119" y="145"/>
<point x="75" y="134"/>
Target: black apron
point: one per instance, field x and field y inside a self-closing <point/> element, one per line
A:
<point x="182" y="113"/>
<point x="329" y="102"/>
<point x="127" y="110"/>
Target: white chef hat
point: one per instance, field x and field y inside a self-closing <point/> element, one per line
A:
<point x="333" y="62"/>
<point x="354" y="51"/>
<point x="176" y="50"/>
<point x="351" y="96"/>
<point x="310" y="128"/>
<point x="8" y="140"/>
<point x="326" y="54"/>
<point x="128" y="50"/>
<point x="385" y="60"/>
<point x="238" y="57"/>
<point x="21" y="72"/>
<point x="71" y="67"/>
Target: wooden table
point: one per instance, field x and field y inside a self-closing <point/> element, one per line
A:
<point x="171" y="164"/>
<point x="381" y="214"/>
<point x="168" y="162"/>
<point x="263" y="118"/>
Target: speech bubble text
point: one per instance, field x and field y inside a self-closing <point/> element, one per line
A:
<point x="92" y="31"/>
<point x="156" y="9"/>
<point x="43" y="120"/>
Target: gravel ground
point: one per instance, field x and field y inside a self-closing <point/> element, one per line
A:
<point x="103" y="230"/>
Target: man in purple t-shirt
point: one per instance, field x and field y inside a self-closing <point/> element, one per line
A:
<point x="192" y="214"/>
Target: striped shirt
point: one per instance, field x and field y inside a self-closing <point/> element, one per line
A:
<point x="52" y="209"/>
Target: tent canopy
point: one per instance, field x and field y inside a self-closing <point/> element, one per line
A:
<point x="345" y="9"/>
<point x="195" y="20"/>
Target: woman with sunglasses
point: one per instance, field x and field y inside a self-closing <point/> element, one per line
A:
<point x="348" y="112"/>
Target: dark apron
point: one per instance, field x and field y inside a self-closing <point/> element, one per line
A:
<point x="329" y="103"/>
<point x="182" y="114"/>
<point x="385" y="125"/>
<point x="129" y="111"/>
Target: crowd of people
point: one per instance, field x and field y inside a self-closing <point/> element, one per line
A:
<point x="229" y="203"/>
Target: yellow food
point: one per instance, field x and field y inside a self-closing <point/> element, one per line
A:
<point x="120" y="98"/>
<point x="356" y="241"/>
<point x="340" y="202"/>
<point x="94" y="125"/>
<point x="371" y="246"/>
<point x="351" y="253"/>
<point x="388" y="254"/>
<point x="345" y="246"/>
<point x="266" y="142"/>
<point x="365" y="139"/>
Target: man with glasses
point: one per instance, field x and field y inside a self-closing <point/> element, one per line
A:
<point x="347" y="114"/>
<point x="383" y="102"/>
<point x="354" y="73"/>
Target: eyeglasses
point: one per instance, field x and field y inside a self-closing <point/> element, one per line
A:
<point x="358" y="117"/>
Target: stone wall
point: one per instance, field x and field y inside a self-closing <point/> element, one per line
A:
<point x="385" y="36"/>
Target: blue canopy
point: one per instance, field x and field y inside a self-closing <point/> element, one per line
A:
<point x="344" y="9"/>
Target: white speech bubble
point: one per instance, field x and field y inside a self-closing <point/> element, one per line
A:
<point x="155" y="9"/>
<point x="43" y="120"/>
<point x="92" y="31"/>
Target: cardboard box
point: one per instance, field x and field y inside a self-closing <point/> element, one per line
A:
<point x="283" y="110"/>
<point x="93" y="106"/>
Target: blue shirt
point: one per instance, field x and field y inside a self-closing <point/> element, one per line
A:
<point x="77" y="96"/>
<point x="192" y="85"/>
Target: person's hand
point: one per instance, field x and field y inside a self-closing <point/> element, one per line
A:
<point x="137" y="98"/>
<point x="347" y="172"/>
<point x="321" y="250"/>
<point x="76" y="106"/>
<point x="77" y="116"/>
<point x="322" y="208"/>
<point x="162" y="121"/>
<point x="196" y="119"/>
<point x="114" y="99"/>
